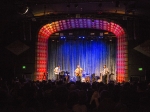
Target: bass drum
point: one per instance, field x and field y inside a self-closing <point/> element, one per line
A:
<point x="67" y="78"/>
<point x="62" y="73"/>
<point x="87" y="79"/>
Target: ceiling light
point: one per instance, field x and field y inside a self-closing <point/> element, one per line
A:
<point x="23" y="10"/>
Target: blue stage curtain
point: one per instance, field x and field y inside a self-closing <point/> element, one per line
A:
<point x="90" y="55"/>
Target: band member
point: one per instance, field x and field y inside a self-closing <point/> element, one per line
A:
<point x="57" y="72"/>
<point x="78" y="72"/>
<point x="105" y="74"/>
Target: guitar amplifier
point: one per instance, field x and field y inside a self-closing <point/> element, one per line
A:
<point x="62" y="73"/>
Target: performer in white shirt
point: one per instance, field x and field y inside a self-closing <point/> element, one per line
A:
<point x="56" y="73"/>
<point x="78" y="72"/>
<point x="105" y="74"/>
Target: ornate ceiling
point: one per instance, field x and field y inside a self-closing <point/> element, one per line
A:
<point x="47" y="11"/>
<point x="58" y="9"/>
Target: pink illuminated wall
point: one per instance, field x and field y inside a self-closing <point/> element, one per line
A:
<point x="48" y="29"/>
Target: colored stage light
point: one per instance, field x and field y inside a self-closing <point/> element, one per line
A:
<point x="62" y="37"/>
<point x="100" y="37"/>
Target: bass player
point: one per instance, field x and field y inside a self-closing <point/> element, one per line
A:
<point x="78" y="73"/>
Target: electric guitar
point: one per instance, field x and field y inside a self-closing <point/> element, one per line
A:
<point x="77" y="74"/>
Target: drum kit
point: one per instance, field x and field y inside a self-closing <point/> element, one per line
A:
<point x="85" y="78"/>
<point x="64" y="75"/>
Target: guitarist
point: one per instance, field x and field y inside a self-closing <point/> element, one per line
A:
<point x="57" y="73"/>
<point x="78" y="72"/>
<point x="105" y="75"/>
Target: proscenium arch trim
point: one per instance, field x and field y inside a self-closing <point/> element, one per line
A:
<point x="48" y="29"/>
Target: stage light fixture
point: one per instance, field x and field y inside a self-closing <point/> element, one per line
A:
<point x="100" y="37"/>
<point x="83" y="37"/>
<point x="106" y="33"/>
<point x="92" y="33"/>
<point x="61" y="34"/>
<point x="63" y="38"/>
<point x="101" y="34"/>
<point x="56" y="33"/>
<point x="70" y="33"/>
<point x="110" y="38"/>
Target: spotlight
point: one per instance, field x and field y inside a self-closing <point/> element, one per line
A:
<point x="100" y="37"/>
<point x="83" y="37"/>
<point x="92" y="33"/>
<point x="79" y="37"/>
<point x="101" y="34"/>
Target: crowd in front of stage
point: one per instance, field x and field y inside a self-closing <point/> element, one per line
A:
<point x="57" y="96"/>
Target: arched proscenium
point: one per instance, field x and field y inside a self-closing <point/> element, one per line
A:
<point x="48" y="29"/>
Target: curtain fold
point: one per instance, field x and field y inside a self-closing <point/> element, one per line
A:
<point x="90" y="55"/>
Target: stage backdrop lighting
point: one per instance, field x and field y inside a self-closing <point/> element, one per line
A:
<point x="48" y="29"/>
